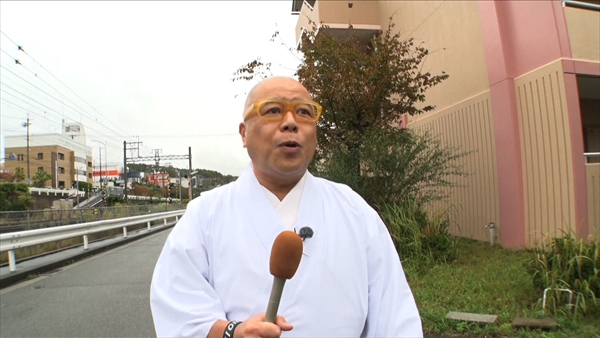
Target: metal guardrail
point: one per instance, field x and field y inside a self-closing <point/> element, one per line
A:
<point x="581" y="4"/>
<point x="21" y="239"/>
<point x="35" y="219"/>
<point x="589" y="156"/>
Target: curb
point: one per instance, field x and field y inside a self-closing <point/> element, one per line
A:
<point x="18" y="276"/>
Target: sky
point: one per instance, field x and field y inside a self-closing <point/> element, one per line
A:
<point x="157" y="72"/>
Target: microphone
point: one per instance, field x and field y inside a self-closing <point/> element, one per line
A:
<point x="305" y="232"/>
<point x="285" y="259"/>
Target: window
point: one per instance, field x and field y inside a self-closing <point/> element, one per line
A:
<point x="40" y="169"/>
<point x="61" y="170"/>
<point x="89" y="164"/>
<point x="61" y="156"/>
<point x="20" y="157"/>
<point x="40" y="156"/>
<point x="90" y="175"/>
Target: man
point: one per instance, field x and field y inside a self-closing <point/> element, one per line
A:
<point x="213" y="271"/>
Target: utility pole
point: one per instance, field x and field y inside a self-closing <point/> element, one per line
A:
<point x="27" y="124"/>
<point x="125" y="169"/>
<point x="156" y="158"/>
<point x="100" y="152"/>
<point x="179" y="181"/>
<point x="190" y="197"/>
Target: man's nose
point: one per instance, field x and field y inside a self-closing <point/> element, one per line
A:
<point x="289" y="121"/>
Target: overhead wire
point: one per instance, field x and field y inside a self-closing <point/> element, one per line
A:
<point x="48" y="71"/>
<point x="81" y="111"/>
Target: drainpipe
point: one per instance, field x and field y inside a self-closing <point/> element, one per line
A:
<point x="490" y="226"/>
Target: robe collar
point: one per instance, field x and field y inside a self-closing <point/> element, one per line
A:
<point x="263" y="218"/>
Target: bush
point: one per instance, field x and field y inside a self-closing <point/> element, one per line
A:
<point x="394" y="166"/>
<point x="418" y="237"/>
<point x="571" y="264"/>
<point x="15" y="197"/>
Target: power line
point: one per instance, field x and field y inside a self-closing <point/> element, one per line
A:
<point x="42" y="67"/>
<point x="82" y="113"/>
<point x="90" y="128"/>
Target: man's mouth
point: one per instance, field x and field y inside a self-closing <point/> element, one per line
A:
<point x="289" y="144"/>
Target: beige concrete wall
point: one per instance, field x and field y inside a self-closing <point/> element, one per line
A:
<point x="593" y="194"/>
<point x="455" y="46"/>
<point x="337" y="14"/>
<point x="46" y="162"/>
<point x="468" y="125"/>
<point x="306" y="15"/>
<point x="546" y="154"/>
<point x="584" y="33"/>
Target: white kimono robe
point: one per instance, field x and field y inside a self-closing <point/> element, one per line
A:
<point x="215" y="265"/>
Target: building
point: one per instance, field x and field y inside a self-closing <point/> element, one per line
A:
<point x="523" y="94"/>
<point x="108" y="172"/>
<point x="65" y="156"/>
<point x="158" y="179"/>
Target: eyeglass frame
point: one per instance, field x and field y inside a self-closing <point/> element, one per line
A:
<point x="289" y="106"/>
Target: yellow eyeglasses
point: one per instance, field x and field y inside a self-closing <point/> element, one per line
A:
<point x="275" y="110"/>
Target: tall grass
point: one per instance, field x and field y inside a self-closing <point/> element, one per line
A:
<point x="416" y="235"/>
<point x="568" y="263"/>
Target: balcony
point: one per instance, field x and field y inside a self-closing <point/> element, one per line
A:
<point x="343" y="18"/>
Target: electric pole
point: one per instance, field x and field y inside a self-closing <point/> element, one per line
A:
<point x="27" y="124"/>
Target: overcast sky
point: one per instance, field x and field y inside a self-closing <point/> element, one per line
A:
<point x="158" y="70"/>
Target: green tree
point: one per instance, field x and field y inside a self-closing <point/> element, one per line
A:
<point x="364" y="90"/>
<point x="20" y="174"/>
<point x="40" y="178"/>
<point x="15" y="197"/>
<point x="85" y="186"/>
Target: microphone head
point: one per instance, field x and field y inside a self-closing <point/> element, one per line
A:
<point x="285" y="255"/>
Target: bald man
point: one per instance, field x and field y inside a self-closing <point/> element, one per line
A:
<point x="212" y="278"/>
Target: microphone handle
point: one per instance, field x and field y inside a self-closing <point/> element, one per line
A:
<point x="273" y="306"/>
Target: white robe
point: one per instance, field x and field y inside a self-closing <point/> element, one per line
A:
<point x="215" y="265"/>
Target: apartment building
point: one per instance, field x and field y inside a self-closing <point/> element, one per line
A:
<point x="65" y="156"/>
<point x="523" y="95"/>
<point x="159" y="179"/>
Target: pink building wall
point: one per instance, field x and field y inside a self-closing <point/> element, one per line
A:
<point x="519" y="37"/>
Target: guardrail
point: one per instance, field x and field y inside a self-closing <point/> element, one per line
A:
<point x="15" y="240"/>
<point x="580" y="4"/>
<point x="589" y="156"/>
<point x="11" y="221"/>
<point x="56" y="192"/>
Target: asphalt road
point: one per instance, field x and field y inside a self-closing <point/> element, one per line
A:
<point x="106" y="295"/>
<point x="102" y="296"/>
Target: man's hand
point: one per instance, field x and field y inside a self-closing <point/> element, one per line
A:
<point x="253" y="327"/>
<point x="257" y="327"/>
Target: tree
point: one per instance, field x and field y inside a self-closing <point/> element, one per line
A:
<point x="15" y="197"/>
<point x="364" y="90"/>
<point x="40" y="178"/>
<point x="20" y="174"/>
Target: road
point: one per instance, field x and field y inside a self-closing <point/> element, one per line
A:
<point x="106" y="295"/>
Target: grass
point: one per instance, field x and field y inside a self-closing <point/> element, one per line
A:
<point x="486" y="280"/>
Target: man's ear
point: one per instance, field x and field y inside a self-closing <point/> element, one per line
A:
<point x="242" y="131"/>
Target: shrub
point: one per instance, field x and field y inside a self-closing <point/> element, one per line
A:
<point x="395" y="166"/>
<point x="15" y="197"/>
